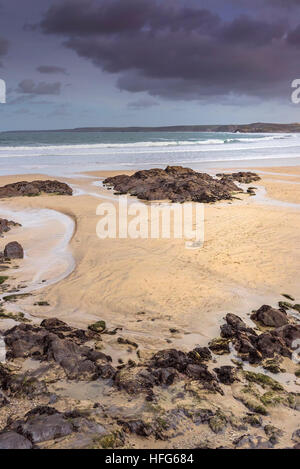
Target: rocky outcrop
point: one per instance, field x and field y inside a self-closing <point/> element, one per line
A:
<point x="35" y="188"/>
<point x="243" y="177"/>
<point x="54" y="341"/>
<point x="175" y="183"/>
<point x="6" y="225"/>
<point x="13" y="250"/>
<point x="255" y="347"/>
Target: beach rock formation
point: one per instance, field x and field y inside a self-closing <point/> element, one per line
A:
<point x="175" y="183"/>
<point x="35" y="188"/>
<point x="270" y="317"/>
<point x="13" y="250"/>
<point x="243" y="177"/>
<point x="6" y="225"/>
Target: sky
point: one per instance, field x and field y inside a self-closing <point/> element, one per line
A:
<point x="82" y="63"/>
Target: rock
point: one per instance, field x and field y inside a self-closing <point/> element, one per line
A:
<point x="218" y="423"/>
<point x="6" y="225"/>
<point x="35" y="188"/>
<point x="46" y="428"/>
<point x="219" y="346"/>
<point x="270" y="317"/>
<point x="139" y="427"/>
<point x="201" y="354"/>
<point x="170" y="358"/>
<point x="252" y="442"/>
<point x="12" y="440"/>
<point x="296" y="436"/>
<point x="135" y="381"/>
<point x="243" y="177"/>
<point x="175" y="183"/>
<point x="253" y="420"/>
<point x="226" y="374"/>
<point x="13" y="250"/>
<point x="98" y="326"/>
<point x="59" y="343"/>
<point x="273" y="433"/>
<point x="289" y="334"/>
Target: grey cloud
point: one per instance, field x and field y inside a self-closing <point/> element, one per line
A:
<point x="51" y="69"/>
<point x="168" y="49"/>
<point x="42" y="88"/>
<point x="142" y="103"/>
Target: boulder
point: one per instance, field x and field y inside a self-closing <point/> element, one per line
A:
<point x="270" y="317"/>
<point x="12" y="440"/>
<point x="13" y="250"/>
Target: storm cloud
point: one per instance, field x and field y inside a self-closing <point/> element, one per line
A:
<point x="173" y="50"/>
<point x="31" y="88"/>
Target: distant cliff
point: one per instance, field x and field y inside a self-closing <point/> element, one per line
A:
<point x="258" y="127"/>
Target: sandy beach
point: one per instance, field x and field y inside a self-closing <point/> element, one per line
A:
<point x="151" y="288"/>
<point x="250" y="256"/>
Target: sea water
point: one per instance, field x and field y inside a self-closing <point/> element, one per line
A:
<point x="60" y="153"/>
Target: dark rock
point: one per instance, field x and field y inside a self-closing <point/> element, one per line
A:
<point x="296" y="436"/>
<point x="34" y="188"/>
<point x="252" y="442"/>
<point x="175" y="183"/>
<point x="243" y="177"/>
<point x="38" y="428"/>
<point x="219" y="346"/>
<point x="270" y="317"/>
<point x="170" y="358"/>
<point x="13" y="250"/>
<point x="201" y="354"/>
<point x="59" y="345"/>
<point x="6" y="225"/>
<point x="12" y="440"/>
<point x="139" y="427"/>
<point x="289" y="333"/>
<point x="226" y="374"/>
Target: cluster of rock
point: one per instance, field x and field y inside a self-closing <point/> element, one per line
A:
<point x="175" y="183"/>
<point x="65" y="352"/>
<point x="35" y="188"/>
<point x="254" y="347"/>
<point x="7" y="225"/>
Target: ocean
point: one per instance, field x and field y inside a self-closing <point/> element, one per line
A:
<point x="68" y="153"/>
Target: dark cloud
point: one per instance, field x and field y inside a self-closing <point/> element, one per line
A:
<point x="51" y="69"/>
<point x="294" y="36"/>
<point x="4" y="45"/>
<point x="143" y="103"/>
<point x="171" y="50"/>
<point x="42" y="88"/>
<point x="247" y="31"/>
